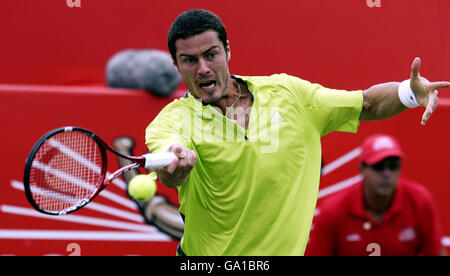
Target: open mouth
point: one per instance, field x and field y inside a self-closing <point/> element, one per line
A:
<point x="208" y="85"/>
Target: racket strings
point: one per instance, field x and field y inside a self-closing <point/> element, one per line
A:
<point x="66" y="170"/>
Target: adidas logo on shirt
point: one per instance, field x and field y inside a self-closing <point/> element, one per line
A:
<point x="276" y="118"/>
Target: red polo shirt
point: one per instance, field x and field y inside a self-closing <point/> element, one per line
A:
<point x="410" y="227"/>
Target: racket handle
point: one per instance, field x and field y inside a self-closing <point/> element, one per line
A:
<point x="158" y="160"/>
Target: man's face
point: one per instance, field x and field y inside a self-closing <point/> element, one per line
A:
<point x="202" y="60"/>
<point x="381" y="178"/>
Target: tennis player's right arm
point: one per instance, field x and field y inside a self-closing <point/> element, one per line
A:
<point x="176" y="173"/>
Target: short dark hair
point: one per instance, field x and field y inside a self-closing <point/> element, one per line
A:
<point x="194" y="22"/>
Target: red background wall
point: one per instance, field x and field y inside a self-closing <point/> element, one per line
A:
<point x="55" y="56"/>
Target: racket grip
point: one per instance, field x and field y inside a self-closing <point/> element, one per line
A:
<point x="158" y="160"/>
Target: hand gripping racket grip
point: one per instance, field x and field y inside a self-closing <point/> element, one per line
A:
<point x="158" y="160"/>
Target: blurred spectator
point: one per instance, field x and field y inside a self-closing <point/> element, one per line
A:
<point x="150" y="70"/>
<point x="382" y="215"/>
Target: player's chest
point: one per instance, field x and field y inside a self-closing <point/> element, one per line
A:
<point x="397" y="237"/>
<point x="264" y="126"/>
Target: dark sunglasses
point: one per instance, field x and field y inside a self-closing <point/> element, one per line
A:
<point x="380" y="167"/>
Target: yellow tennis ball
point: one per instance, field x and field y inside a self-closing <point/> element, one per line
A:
<point x="142" y="186"/>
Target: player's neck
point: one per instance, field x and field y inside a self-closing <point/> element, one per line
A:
<point x="376" y="205"/>
<point x="237" y="103"/>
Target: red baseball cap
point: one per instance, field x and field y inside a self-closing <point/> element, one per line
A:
<point x="378" y="147"/>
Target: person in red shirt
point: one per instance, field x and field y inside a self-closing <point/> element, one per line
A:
<point x="382" y="215"/>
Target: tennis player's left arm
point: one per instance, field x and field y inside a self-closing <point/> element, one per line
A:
<point x="382" y="101"/>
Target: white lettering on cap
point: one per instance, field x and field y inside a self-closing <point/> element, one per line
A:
<point x="383" y="143"/>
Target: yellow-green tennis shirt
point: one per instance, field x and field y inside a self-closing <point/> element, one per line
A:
<point x="254" y="191"/>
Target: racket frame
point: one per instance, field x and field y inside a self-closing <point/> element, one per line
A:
<point x="102" y="182"/>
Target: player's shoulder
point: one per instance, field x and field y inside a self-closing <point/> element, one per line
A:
<point x="274" y="78"/>
<point x="414" y="190"/>
<point x="285" y="83"/>
<point x="341" y="201"/>
<point x="183" y="104"/>
<point x="176" y="112"/>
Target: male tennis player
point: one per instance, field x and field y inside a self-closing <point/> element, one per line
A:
<point x="248" y="148"/>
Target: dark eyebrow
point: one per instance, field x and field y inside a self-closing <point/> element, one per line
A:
<point x="205" y="52"/>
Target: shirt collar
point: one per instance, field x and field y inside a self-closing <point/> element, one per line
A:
<point x="186" y="95"/>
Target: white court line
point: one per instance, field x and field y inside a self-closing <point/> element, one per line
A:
<point x="79" y="158"/>
<point x="341" y="161"/>
<point x="62" y="175"/>
<point x="97" y="235"/>
<point x="105" y="193"/>
<point x="96" y="206"/>
<point x="80" y="235"/>
<point x="118" y="182"/>
<point x="16" y="210"/>
<point x="339" y="186"/>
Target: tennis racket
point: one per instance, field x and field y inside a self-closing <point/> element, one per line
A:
<point x="66" y="169"/>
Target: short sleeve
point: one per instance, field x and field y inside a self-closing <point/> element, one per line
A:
<point x="168" y="128"/>
<point x="329" y="109"/>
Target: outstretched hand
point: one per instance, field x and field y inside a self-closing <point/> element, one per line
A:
<point x="426" y="92"/>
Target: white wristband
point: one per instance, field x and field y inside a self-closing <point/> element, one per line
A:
<point x="406" y="95"/>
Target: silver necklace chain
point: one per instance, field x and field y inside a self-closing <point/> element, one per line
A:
<point x="235" y="101"/>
